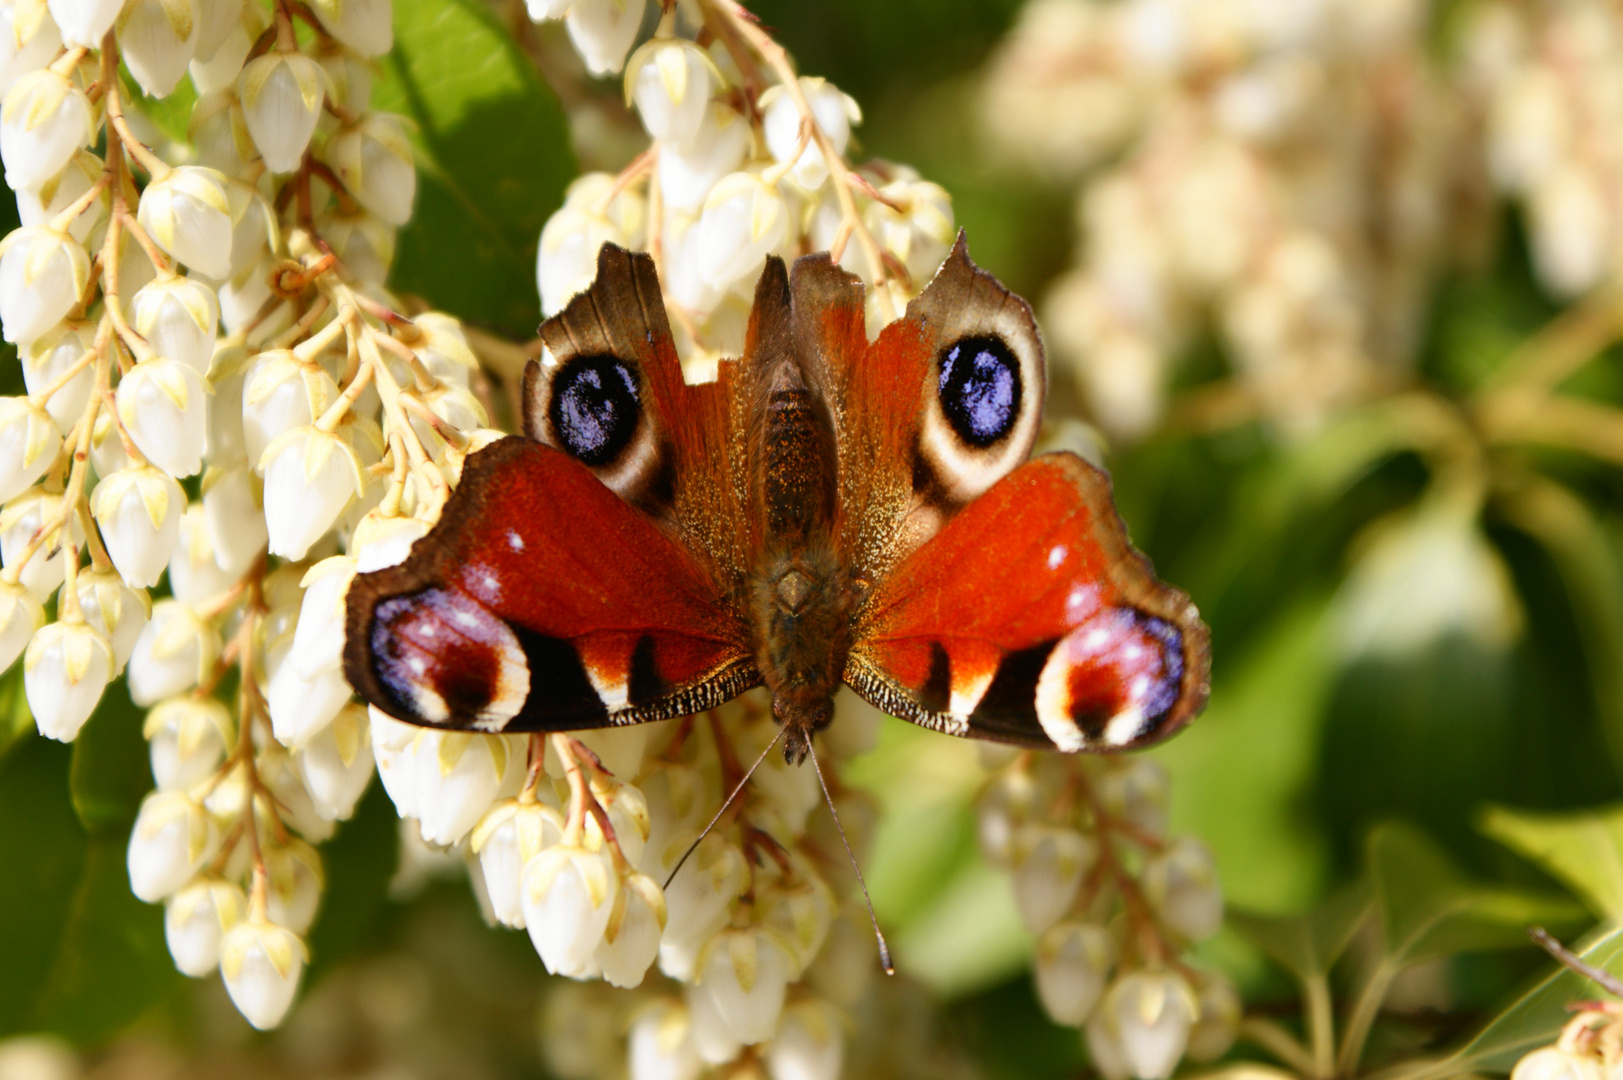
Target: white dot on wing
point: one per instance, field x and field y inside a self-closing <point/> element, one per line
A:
<point x="515" y="541"/>
<point x="1056" y="556"/>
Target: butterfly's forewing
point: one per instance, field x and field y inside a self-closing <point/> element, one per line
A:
<point x="541" y="601"/>
<point x="1029" y="618"/>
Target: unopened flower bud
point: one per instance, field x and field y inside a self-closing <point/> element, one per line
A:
<point x="1073" y="961"/>
<point x="281" y="95"/>
<point x="318" y="640"/>
<point x="138" y="512"/>
<point x="29" y="40"/>
<point x="280" y="392"/>
<point x="187" y="213"/>
<point x="20" y="616"/>
<point x="300" y="708"/>
<point x="179" y="317"/>
<point x="47" y="360"/>
<point x="65" y="669"/>
<point x="296" y="881"/>
<point x="511" y="833"/>
<point x="188" y="737"/>
<point x="687" y="174"/>
<point x="42" y="205"/>
<point x="44" y="119"/>
<point x="195" y="575"/>
<point x="781" y="122"/>
<point x="29" y="444"/>
<point x="43" y="272"/>
<point x="746" y="973"/>
<point x="631" y="939"/>
<point x="20" y="519"/>
<point x="215" y="21"/>
<point x="196" y="919"/>
<point x="459" y="774"/>
<point x="1050" y="862"/>
<point x="745" y="219"/>
<point x="569" y="895"/>
<point x="261" y="963"/>
<point x="115" y="609"/>
<point x="234" y="519"/>
<point x="373" y="158"/>
<point x="163" y="406"/>
<point x="1149" y="1014"/>
<point x="603" y="31"/>
<point x="670" y="79"/>
<point x="310" y="476"/>
<point x="157" y="39"/>
<point x="174" y="651"/>
<point x="336" y="763"/>
<point x="915" y="224"/>
<point x="172" y="838"/>
<point x="85" y="22"/>
<point x="1136" y="791"/>
<point x="1181" y="884"/>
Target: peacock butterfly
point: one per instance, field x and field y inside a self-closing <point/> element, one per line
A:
<point x="828" y="509"/>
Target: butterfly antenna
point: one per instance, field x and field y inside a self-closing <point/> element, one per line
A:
<point x="884" y="949"/>
<point x="694" y="846"/>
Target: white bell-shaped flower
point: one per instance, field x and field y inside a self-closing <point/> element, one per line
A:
<point x="260" y="964"/>
<point x="281" y="94"/>
<point x="195" y="921"/>
<point x="43" y="272"/>
<point x="138" y="511"/>
<point x="834" y="111"/>
<point x="916" y="226"/>
<point x="1180" y="882"/>
<point x="350" y="74"/>
<point x="569" y="895"/>
<point x="394" y="748"/>
<point x="163" y="406"/>
<point x="20" y="616"/>
<point x="511" y="833"/>
<point x="219" y="131"/>
<point x="593" y="214"/>
<point x="157" y="39"/>
<point x="292" y="801"/>
<point x="300" y="708"/>
<point x="1558" y="1063"/>
<point x="318" y="640"/>
<point x="365" y="244"/>
<point x="224" y="444"/>
<point x="627" y="812"/>
<point x="1218" y="1021"/>
<point x="1148" y="1016"/>
<point x="43" y="120"/>
<point x="714" y="1040"/>
<point x="671" y="80"/>
<point x="179" y="317"/>
<point x="746" y="973"/>
<point x="54" y="360"/>
<point x="20" y="519"/>
<point x="810" y="1044"/>
<point x="603" y="31"/>
<point x="65" y="669"/>
<point x="29" y="444"/>
<point x="336" y="763"/>
<point x="1049" y="863"/>
<point x="29" y="40"/>
<point x="115" y="609"/>
<point x="175" y="650"/>
<point x="688" y="173"/>
<point x="631" y="939"/>
<point x="380" y="541"/>
<point x="459" y="775"/>
<point x="234" y="518"/>
<point x="296" y="881"/>
<point x="1072" y="965"/>
<point x="744" y="220"/>
<point x="280" y="393"/>
<point x="443" y="349"/>
<point x="373" y="158"/>
<point x="41" y="205"/>
<point x="85" y="22"/>
<point x="215" y="21"/>
<point x="187" y="737"/>
<point x="195" y="575"/>
<point x="216" y="70"/>
<point x="801" y="910"/>
<point x="697" y="900"/>
<point x="173" y="837"/>
<point x="135" y="266"/>
<point x="363" y="25"/>
<point x="661" y="1044"/>
<point x="187" y="213"/>
<point x="310" y="477"/>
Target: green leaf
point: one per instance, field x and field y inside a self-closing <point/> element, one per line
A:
<point x="493" y="161"/>
<point x="1308" y="945"/>
<point x="1583" y="850"/>
<point x="16" y="721"/>
<point x="358" y="862"/>
<point x="1429" y="909"/>
<point x="1537" y="1016"/>
<point x="111" y="771"/>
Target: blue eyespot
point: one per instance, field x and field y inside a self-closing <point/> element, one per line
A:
<point x="595" y="404"/>
<point x="980" y="389"/>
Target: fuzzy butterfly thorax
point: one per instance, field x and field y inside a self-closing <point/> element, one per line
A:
<point x="829" y="510"/>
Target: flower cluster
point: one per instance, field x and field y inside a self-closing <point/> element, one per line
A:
<point x="1114" y="901"/>
<point x="1590" y="1047"/>
<point x="746" y="161"/>
<point x="222" y="397"/>
<point x="1293" y="179"/>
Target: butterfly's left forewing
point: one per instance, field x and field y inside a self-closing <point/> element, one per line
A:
<point x="542" y="601"/>
<point x="1030" y="619"/>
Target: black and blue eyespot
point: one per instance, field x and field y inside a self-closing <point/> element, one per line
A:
<point x="595" y="405"/>
<point x="980" y="389"/>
